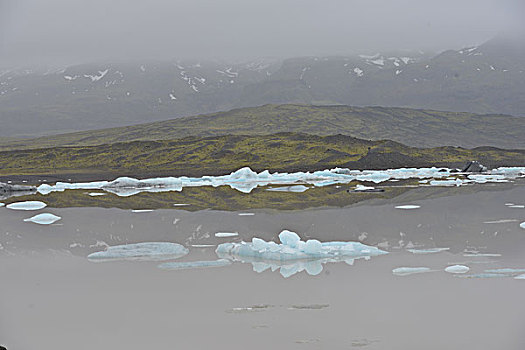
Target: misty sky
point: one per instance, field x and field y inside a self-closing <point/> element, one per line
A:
<point x="72" y="31"/>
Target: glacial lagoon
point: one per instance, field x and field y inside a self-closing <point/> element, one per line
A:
<point x="386" y="270"/>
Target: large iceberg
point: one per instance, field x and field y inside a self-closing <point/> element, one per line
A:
<point x="293" y="255"/>
<point x="246" y="180"/>
<point x="147" y="251"/>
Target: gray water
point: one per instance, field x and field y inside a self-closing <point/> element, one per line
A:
<point x="53" y="297"/>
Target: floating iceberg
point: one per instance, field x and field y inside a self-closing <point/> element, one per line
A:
<point x="43" y="219"/>
<point x="427" y="251"/>
<point x="405" y="271"/>
<point x="29" y="205"/>
<point x="194" y="264"/>
<point x="147" y="251"/>
<point x="293" y="255"/>
<point x="96" y="194"/>
<point x="457" y="269"/>
<point x="141" y="210"/>
<point x="408" y="207"/>
<point x="520" y="277"/>
<point x="245" y="180"/>
<point x="522" y="225"/>
<point x="1" y="205"/>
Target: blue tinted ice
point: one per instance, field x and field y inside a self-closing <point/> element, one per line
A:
<point x="153" y="251"/>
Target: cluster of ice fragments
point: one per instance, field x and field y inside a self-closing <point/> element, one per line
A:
<point x="293" y="255"/>
<point x="245" y="180"/>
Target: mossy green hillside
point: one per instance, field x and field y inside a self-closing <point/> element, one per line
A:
<point x="219" y="155"/>
<point x="419" y="128"/>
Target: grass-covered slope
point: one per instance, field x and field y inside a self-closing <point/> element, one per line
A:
<point x="222" y="154"/>
<point x="419" y="128"/>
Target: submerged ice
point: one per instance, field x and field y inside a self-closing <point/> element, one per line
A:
<point x="147" y="251"/>
<point x="194" y="264"/>
<point x="246" y="180"/>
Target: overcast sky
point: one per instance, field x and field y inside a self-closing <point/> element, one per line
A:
<point x="72" y="31"/>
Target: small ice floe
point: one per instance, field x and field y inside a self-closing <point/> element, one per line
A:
<point x="95" y="194"/>
<point x="226" y="234"/>
<point x="457" y="269"/>
<point x="1" y="205"/>
<point x="246" y="214"/>
<point x="180" y="204"/>
<point x="203" y="245"/>
<point x="486" y="255"/>
<point x="506" y="271"/>
<point x="405" y="271"/>
<point x="141" y="210"/>
<point x="293" y="255"/>
<point x="366" y="189"/>
<point x="502" y="221"/>
<point x="43" y="219"/>
<point x="29" y="205"/>
<point x="427" y="251"/>
<point x="147" y="251"/>
<point x="485" y="275"/>
<point x="296" y="188"/>
<point x="408" y="207"/>
<point x="309" y="307"/>
<point x="522" y="225"/>
<point x="253" y="308"/>
<point x="520" y="277"/>
<point x="517" y="206"/>
<point x="194" y="264"/>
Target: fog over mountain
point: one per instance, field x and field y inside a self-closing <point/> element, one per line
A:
<point x="77" y="31"/>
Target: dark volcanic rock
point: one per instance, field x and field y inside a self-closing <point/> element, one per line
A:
<point x="474" y="167"/>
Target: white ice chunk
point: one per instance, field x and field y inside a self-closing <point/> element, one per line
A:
<point x="289" y="238"/>
<point x="226" y="234"/>
<point x="246" y="214"/>
<point x="360" y="187"/>
<point x="405" y="271"/>
<point x="408" y="207"/>
<point x="520" y="277"/>
<point x="194" y="264"/>
<point x="457" y="269"/>
<point x="147" y="251"/>
<point x="43" y="219"/>
<point x="517" y="206"/>
<point x="29" y="205"/>
<point x="142" y="210"/>
<point x="95" y="194"/>
<point x="522" y="225"/>
<point x="1" y="205"/>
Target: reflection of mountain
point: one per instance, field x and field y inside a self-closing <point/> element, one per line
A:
<point x="488" y="79"/>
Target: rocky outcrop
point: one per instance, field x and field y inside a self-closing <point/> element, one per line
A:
<point x="474" y="167"/>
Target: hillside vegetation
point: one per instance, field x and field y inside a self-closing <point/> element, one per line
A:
<point x="418" y="128"/>
<point x="217" y="155"/>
